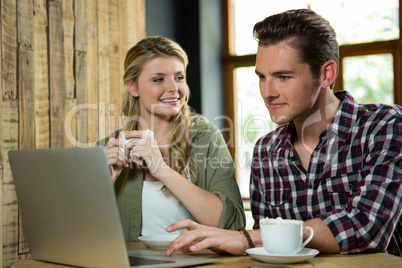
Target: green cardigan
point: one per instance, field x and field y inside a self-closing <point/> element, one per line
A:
<point x="216" y="174"/>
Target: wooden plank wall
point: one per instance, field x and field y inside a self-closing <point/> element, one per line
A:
<point x="61" y="83"/>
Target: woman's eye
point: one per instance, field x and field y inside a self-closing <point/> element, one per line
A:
<point x="180" y="77"/>
<point x="158" y="80"/>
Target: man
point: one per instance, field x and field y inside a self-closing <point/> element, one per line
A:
<point x="333" y="163"/>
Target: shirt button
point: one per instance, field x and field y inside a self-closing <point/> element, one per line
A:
<point x="310" y="186"/>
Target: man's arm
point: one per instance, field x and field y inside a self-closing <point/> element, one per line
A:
<point x="200" y="237"/>
<point x="373" y="211"/>
<point x="323" y="239"/>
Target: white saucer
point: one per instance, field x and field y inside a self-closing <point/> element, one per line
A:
<point x="262" y="255"/>
<point x="157" y="241"/>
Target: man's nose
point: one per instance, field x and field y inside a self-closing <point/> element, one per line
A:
<point x="268" y="89"/>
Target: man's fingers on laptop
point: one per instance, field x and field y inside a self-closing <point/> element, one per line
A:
<point x="183" y="224"/>
<point x="190" y="241"/>
<point x="183" y="242"/>
<point x="185" y="239"/>
<point x="203" y="244"/>
<point x="186" y="248"/>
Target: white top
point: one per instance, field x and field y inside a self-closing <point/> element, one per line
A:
<point x="159" y="211"/>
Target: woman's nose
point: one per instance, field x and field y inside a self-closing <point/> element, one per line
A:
<point x="172" y="85"/>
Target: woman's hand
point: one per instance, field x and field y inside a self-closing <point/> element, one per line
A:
<point x="200" y="237"/>
<point x="116" y="158"/>
<point x="144" y="151"/>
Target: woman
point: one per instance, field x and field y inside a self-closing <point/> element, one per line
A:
<point x="185" y="169"/>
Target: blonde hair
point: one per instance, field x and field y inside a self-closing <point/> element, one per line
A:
<point x="149" y="48"/>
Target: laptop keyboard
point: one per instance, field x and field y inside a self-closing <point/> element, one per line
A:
<point x="136" y="261"/>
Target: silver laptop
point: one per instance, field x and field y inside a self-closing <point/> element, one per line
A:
<point x="69" y="211"/>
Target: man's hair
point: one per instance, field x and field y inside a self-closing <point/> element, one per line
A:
<point x="309" y="34"/>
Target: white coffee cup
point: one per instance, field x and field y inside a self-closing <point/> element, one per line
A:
<point x="124" y="141"/>
<point x="283" y="237"/>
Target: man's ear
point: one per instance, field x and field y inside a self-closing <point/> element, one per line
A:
<point x="132" y="89"/>
<point x="328" y="72"/>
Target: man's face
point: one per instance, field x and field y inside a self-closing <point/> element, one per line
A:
<point x="286" y="84"/>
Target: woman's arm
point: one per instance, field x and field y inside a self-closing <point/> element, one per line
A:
<point x="205" y="206"/>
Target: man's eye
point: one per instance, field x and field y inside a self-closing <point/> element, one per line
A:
<point x="283" y="78"/>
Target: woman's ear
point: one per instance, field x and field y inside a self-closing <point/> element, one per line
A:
<point x="132" y="89"/>
<point x="328" y="73"/>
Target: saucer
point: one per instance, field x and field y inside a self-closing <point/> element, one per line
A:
<point x="262" y="255"/>
<point x="157" y="241"/>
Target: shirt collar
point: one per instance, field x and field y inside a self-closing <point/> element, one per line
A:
<point x="341" y="125"/>
<point x="286" y="136"/>
<point x="346" y="116"/>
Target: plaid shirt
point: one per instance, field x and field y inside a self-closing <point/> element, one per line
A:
<point x="353" y="183"/>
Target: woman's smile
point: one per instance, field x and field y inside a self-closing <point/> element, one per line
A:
<point x="171" y="101"/>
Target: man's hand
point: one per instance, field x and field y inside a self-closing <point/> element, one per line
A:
<point x="200" y="237"/>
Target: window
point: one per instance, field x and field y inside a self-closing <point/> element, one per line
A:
<point x="353" y="24"/>
<point x="369" y="40"/>
<point x="375" y="83"/>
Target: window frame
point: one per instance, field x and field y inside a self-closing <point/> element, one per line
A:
<point x="230" y="62"/>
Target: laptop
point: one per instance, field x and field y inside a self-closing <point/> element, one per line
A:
<point x="69" y="211"/>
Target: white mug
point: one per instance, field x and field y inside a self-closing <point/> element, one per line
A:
<point x="124" y="141"/>
<point x="283" y="237"/>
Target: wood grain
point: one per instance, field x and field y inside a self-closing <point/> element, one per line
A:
<point x="61" y="68"/>
<point x="9" y="198"/>
<point x="9" y="48"/>
<point x="56" y="74"/>
<point x="68" y="46"/>
<point x="41" y="75"/>
<point x="104" y="56"/>
<point x="93" y="61"/>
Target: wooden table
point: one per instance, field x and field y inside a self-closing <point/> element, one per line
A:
<point x="369" y="260"/>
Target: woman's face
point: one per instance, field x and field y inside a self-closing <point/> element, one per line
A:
<point x="161" y="88"/>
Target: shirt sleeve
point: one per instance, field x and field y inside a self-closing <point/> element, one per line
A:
<point x="373" y="213"/>
<point x="216" y="174"/>
<point x="104" y="141"/>
<point x="257" y="207"/>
